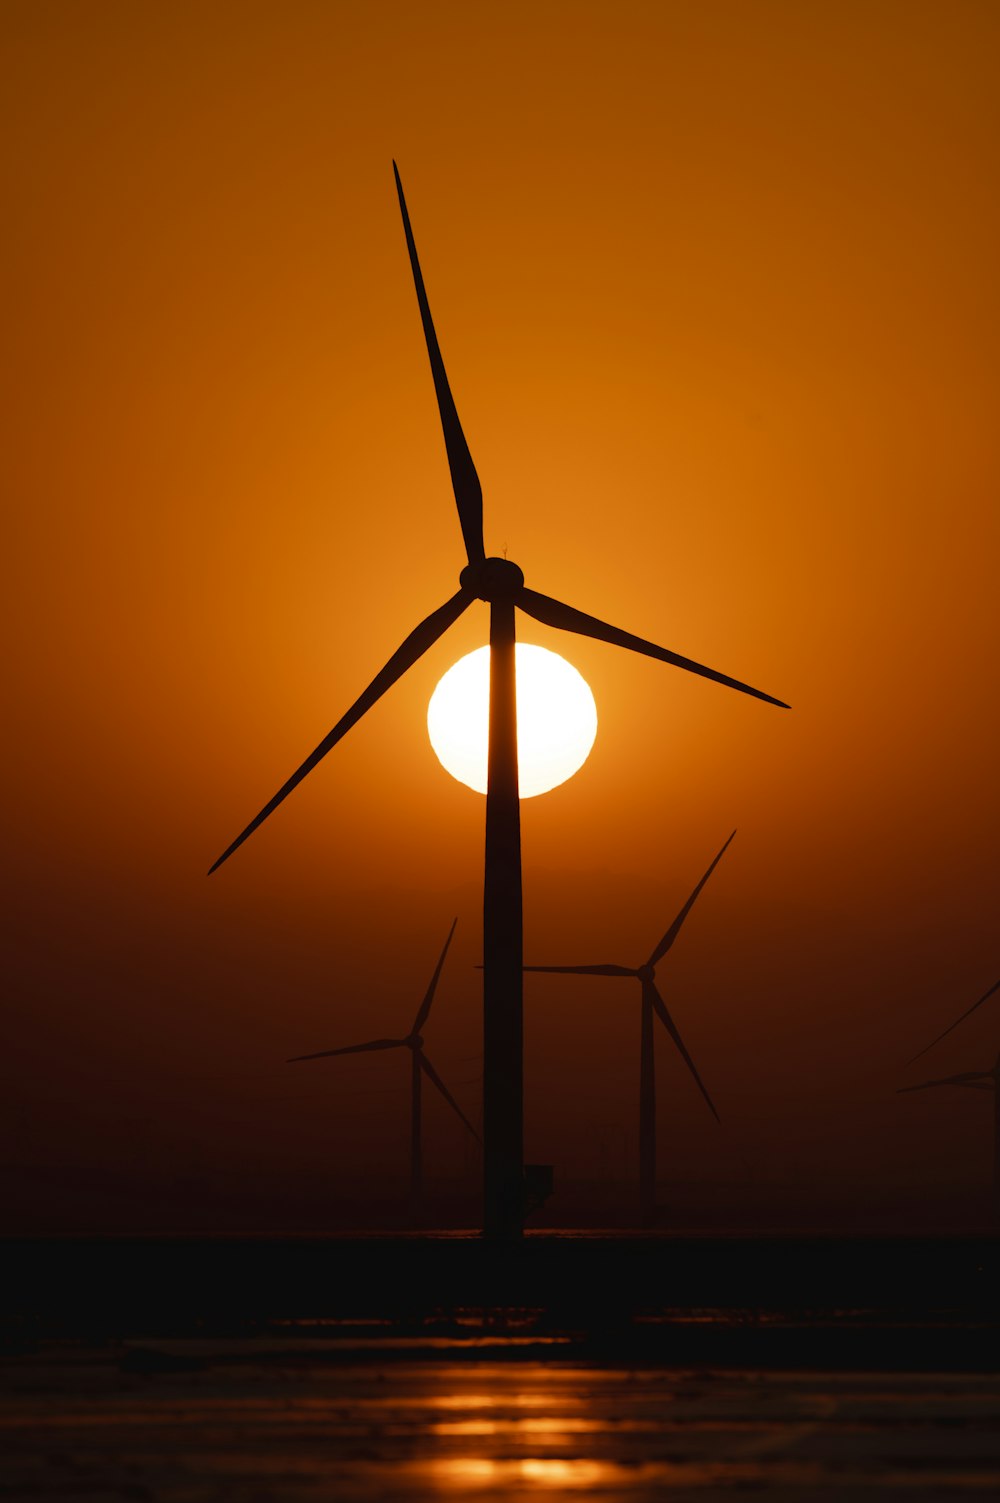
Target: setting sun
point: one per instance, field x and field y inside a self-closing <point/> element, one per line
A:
<point x="556" y="719"/>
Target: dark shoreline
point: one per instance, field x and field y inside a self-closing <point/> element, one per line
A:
<point x="893" y="1303"/>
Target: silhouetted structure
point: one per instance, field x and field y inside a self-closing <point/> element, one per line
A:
<point x="652" y="1003"/>
<point x="976" y="1080"/>
<point x="952" y="1026"/>
<point x="501" y="584"/>
<point x="419" y="1064"/>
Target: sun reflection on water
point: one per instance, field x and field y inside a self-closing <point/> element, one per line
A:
<point x="554" y="1426"/>
<point x="539" y="1472"/>
<point x="300" y="1429"/>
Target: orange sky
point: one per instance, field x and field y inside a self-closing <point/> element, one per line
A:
<point x="716" y="288"/>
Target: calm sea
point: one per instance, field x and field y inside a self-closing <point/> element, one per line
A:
<point x="286" y="1418"/>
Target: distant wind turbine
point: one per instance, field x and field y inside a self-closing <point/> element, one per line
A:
<point x="499" y="582"/>
<point x="967" y="1014"/>
<point x="652" y="1003"/>
<point x="419" y="1065"/>
<point x="976" y="1080"/>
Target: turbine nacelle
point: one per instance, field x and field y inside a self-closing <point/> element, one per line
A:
<point x="493" y="579"/>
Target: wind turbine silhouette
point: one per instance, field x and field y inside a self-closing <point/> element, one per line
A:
<point x="976" y="1080"/>
<point x="500" y="583"/>
<point x="967" y="1014"/>
<point x="652" y="1003"/>
<point x="419" y="1065"/>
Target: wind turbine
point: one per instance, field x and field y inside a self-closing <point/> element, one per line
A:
<point x="976" y="1080"/>
<point x="500" y="583"/>
<point x="419" y="1065"/>
<point x="968" y="1013"/>
<point x="652" y="1003"/>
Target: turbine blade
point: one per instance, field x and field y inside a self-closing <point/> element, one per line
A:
<point x="350" y="1049"/>
<point x="425" y="1005"/>
<point x="433" y="1075"/>
<point x="583" y="970"/>
<point x="566" y="618"/>
<point x="464" y="480"/>
<point x="675" y="927"/>
<point x="660" y="1008"/>
<point x="416" y="644"/>
<point x="970" y="1077"/>
<point x="985" y="997"/>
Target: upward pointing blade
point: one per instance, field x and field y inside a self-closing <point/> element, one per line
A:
<point x="464" y="480"/>
<point x="425" y="1005"/>
<point x="416" y="644"/>
<point x="659" y="1007"/>
<point x="433" y="1075"/>
<point x="565" y="618"/>
<point x="675" y="927"/>
<point x="350" y="1049"/>
<point x="971" y="1010"/>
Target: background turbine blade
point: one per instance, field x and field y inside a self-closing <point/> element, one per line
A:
<point x="985" y="997"/>
<point x="433" y="1075"/>
<point x="978" y="1078"/>
<point x="566" y="618"/>
<point x="583" y="970"/>
<point x="425" y="1005"/>
<point x="659" y="1007"/>
<point x="416" y="644"/>
<point x="350" y="1049"/>
<point x="675" y="927"/>
<point x="464" y="480"/>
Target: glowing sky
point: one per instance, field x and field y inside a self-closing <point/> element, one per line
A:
<point x="716" y="288"/>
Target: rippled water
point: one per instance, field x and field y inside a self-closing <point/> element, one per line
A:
<point x="244" y="1424"/>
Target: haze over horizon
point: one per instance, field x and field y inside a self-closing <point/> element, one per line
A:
<point x="716" y="290"/>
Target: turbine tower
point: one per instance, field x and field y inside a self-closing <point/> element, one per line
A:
<point x="652" y="1004"/>
<point x="976" y="1080"/>
<point x="420" y="1065"/>
<point x="500" y="583"/>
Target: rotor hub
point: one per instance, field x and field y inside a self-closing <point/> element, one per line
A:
<point x="646" y="973"/>
<point x="493" y="579"/>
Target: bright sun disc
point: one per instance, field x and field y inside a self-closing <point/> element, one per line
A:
<point x="556" y="719"/>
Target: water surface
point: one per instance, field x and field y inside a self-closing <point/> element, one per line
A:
<point x="208" y="1422"/>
